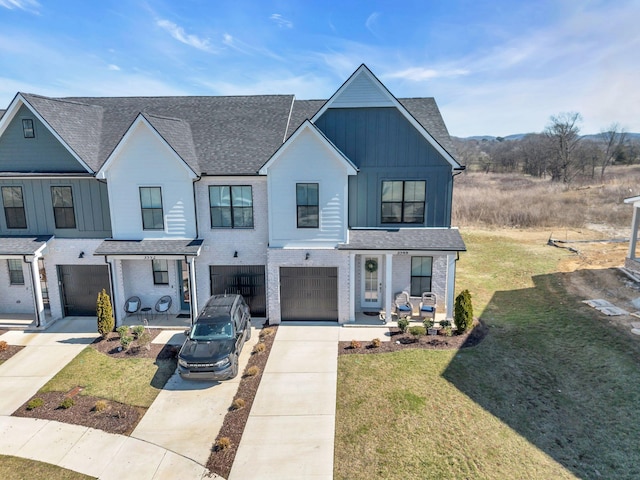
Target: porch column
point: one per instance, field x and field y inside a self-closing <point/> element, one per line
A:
<point x="117" y="289"/>
<point x="193" y="305"/>
<point x="635" y="226"/>
<point x="451" y="286"/>
<point x="352" y="289"/>
<point x="37" y="291"/>
<point x="388" y="289"/>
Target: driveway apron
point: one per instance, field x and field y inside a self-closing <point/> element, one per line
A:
<point x="290" y="430"/>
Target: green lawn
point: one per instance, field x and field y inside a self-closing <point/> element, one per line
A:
<point x="15" y="468"/>
<point x="552" y="392"/>
<point x="133" y="381"/>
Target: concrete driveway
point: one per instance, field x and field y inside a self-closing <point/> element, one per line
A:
<point x="290" y="431"/>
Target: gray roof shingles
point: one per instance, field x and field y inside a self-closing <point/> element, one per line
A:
<point x="22" y="245"/>
<point x="150" y="247"/>
<point x="213" y="135"/>
<point x="438" y="239"/>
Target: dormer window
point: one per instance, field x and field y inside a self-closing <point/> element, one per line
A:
<point x="27" y="128"/>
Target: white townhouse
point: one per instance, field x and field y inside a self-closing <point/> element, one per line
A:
<point x="312" y="209"/>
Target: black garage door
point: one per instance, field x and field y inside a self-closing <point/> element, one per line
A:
<point x="80" y="287"/>
<point x="247" y="280"/>
<point x="309" y="293"/>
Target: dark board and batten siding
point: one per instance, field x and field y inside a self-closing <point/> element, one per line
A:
<point x="385" y="146"/>
<point x="42" y="154"/>
<point x="90" y="203"/>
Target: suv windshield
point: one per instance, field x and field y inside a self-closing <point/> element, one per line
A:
<point x="212" y="331"/>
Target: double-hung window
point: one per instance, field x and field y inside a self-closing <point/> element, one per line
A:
<point x="307" y="205"/>
<point x="231" y="206"/>
<point x="14" y="207"/>
<point x="160" y="272"/>
<point x="151" y="204"/>
<point x="63" y="214"/>
<point x="403" y="201"/>
<point x="28" y="130"/>
<point x="16" y="275"/>
<point x="420" y="275"/>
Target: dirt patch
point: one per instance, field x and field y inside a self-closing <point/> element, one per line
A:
<point x="9" y="352"/>
<point x="115" y="418"/>
<point x="403" y="341"/>
<point x="221" y="460"/>
<point x="110" y="345"/>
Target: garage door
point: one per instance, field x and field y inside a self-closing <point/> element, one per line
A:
<point x="247" y="280"/>
<point x="80" y="287"/>
<point x="309" y="293"/>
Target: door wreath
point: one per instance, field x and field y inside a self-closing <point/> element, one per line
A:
<point x="371" y="265"/>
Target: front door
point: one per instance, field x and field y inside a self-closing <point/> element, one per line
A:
<point x="183" y="279"/>
<point x="371" y="291"/>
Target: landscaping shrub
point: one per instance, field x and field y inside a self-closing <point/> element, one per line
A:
<point x="355" y="344"/>
<point x="3" y="345"/>
<point x="66" y="403"/>
<point x="100" y="406"/>
<point x="104" y="311"/>
<point x="222" y="443"/>
<point x="446" y="331"/>
<point x="138" y="330"/>
<point x="259" y="348"/>
<point x="125" y="341"/>
<point x="144" y="340"/>
<point x="237" y="404"/>
<point x="463" y="312"/>
<point x="35" y="403"/>
<point x="375" y="343"/>
<point x="267" y="332"/>
<point x="122" y="330"/>
<point x="417" y="331"/>
<point x="252" y="371"/>
<point x="403" y="323"/>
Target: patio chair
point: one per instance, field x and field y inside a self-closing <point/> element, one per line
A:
<point x="402" y="305"/>
<point x="132" y="306"/>
<point x="163" y="305"/>
<point x="428" y="305"/>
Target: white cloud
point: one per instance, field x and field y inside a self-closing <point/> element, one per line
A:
<point x="30" y="6"/>
<point x="371" y="22"/>
<point x="419" y="74"/>
<point x="113" y="67"/>
<point x="281" y="21"/>
<point x="179" y="34"/>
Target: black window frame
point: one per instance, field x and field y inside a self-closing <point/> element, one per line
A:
<point x="306" y="209"/>
<point x="404" y="204"/>
<point x="28" y="128"/>
<point x="152" y="210"/>
<point x="16" y="274"/>
<point x="160" y="271"/>
<point x="15" y="216"/>
<point x="235" y="214"/>
<point x="64" y="216"/>
<point x="418" y="284"/>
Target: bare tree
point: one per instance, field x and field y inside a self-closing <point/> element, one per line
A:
<point x="535" y="150"/>
<point x="613" y="139"/>
<point x="563" y="132"/>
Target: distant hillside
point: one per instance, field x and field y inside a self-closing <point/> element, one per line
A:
<point x="519" y="136"/>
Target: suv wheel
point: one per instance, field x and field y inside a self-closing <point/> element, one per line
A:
<point x="234" y="369"/>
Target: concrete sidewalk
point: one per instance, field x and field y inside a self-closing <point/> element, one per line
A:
<point x="290" y="431"/>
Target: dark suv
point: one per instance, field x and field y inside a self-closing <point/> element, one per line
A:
<point x="215" y="340"/>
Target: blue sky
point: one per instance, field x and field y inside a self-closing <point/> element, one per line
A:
<point x="494" y="67"/>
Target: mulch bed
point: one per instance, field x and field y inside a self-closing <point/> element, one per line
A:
<point x="117" y="417"/>
<point x="221" y="460"/>
<point x="402" y="341"/>
<point x="9" y="352"/>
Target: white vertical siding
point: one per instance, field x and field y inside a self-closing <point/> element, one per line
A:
<point x="307" y="160"/>
<point x="15" y="298"/>
<point x="145" y="160"/>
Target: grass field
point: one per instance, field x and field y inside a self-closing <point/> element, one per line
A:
<point x="132" y="381"/>
<point x="552" y="392"/>
<point x="15" y="468"/>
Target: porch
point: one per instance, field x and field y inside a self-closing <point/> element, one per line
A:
<point x="154" y="320"/>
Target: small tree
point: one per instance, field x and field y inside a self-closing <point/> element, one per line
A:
<point x="463" y="312"/>
<point x="105" y="313"/>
